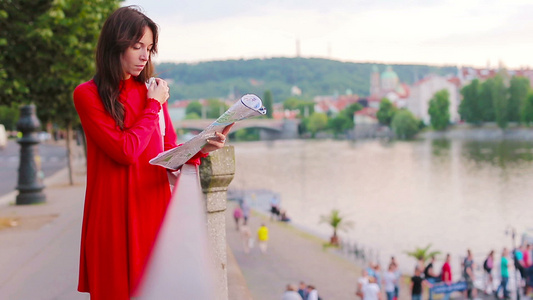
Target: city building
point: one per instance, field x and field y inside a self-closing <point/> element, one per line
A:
<point x="334" y="104"/>
<point x="423" y="90"/>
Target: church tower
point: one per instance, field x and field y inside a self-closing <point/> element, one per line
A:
<point x="374" y="81"/>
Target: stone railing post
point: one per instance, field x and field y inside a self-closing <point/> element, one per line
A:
<point x="216" y="173"/>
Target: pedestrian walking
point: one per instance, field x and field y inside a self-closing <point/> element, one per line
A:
<point x="468" y="274"/>
<point x="246" y="238"/>
<point x="237" y="215"/>
<point x="518" y="258"/>
<point x="446" y="274"/>
<point x="398" y="275"/>
<point x="526" y="254"/>
<point x="504" y="271"/>
<point x="312" y="293"/>
<point x="371" y="290"/>
<point x="126" y="197"/>
<point x="416" y="285"/>
<point x="389" y="282"/>
<point x="361" y="282"/>
<point x="488" y="265"/>
<point x="302" y="290"/>
<point x="245" y="210"/>
<point x="262" y="237"/>
<point x="377" y="274"/>
<point x="431" y="276"/>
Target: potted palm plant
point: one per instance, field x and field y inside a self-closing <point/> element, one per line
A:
<point x="338" y="222"/>
<point x="423" y="254"/>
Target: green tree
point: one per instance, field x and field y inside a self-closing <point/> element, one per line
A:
<point x="21" y="38"/>
<point x="422" y="253"/>
<point x="247" y="134"/>
<point x="486" y="102"/>
<point x="340" y="124"/>
<point x="9" y="116"/>
<point x="267" y="103"/>
<point x="500" y="100"/>
<point x="291" y="103"/>
<point x="404" y="124"/>
<point x="351" y="109"/>
<point x="317" y="122"/>
<point x="518" y="91"/>
<point x="215" y="108"/>
<point x="306" y="108"/>
<point x="439" y="110"/>
<point x="192" y="116"/>
<point x="337" y="222"/>
<point x="527" y="110"/>
<point x="50" y="51"/>
<point x="194" y="107"/>
<point x="386" y="112"/>
<point x="470" y="107"/>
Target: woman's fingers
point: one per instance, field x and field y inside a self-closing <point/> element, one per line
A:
<point x="218" y="141"/>
<point x="226" y="129"/>
<point x="221" y="137"/>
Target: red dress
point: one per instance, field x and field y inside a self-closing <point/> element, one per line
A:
<point x="126" y="197"/>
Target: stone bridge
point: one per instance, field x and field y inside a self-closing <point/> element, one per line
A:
<point x="270" y="129"/>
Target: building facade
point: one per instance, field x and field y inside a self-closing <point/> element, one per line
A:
<point x="422" y="91"/>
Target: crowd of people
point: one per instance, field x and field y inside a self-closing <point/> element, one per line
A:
<point x="374" y="283"/>
<point x="241" y="214"/>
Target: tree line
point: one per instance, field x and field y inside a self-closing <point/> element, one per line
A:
<point x="405" y="125"/>
<point x="497" y="99"/>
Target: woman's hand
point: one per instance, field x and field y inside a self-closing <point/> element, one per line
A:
<point x="158" y="90"/>
<point x="217" y="142"/>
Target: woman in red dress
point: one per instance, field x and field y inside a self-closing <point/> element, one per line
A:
<point x="126" y="197"/>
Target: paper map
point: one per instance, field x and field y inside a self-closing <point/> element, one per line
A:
<point x="248" y="106"/>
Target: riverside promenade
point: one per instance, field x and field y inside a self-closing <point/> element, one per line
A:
<point x="292" y="256"/>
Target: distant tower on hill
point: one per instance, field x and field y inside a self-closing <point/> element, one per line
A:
<point x="297" y="47"/>
<point x="374" y="81"/>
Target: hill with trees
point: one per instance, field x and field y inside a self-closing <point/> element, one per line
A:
<point x="313" y="76"/>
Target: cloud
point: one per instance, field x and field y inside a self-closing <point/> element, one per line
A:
<point x="410" y="31"/>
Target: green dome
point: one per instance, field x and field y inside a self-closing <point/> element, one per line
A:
<point x="389" y="73"/>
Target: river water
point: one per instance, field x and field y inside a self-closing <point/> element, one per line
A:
<point x="454" y="194"/>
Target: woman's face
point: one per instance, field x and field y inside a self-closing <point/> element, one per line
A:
<point x="135" y="57"/>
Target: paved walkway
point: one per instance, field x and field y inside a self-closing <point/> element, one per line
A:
<point x="292" y="256"/>
<point x="39" y="255"/>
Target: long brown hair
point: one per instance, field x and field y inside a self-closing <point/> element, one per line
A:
<point x="122" y="29"/>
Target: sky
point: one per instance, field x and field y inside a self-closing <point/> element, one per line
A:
<point x="476" y="33"/>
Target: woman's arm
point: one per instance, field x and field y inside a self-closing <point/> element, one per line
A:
<point x="123" y="146"/>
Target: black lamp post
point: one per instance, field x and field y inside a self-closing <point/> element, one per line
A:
<point x="30" y="185"/>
